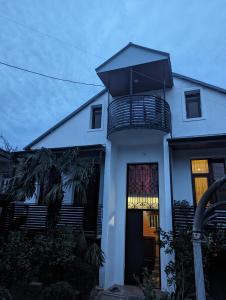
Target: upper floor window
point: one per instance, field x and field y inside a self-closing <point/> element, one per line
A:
<point x="193" y="104"/>
<point x="96" y="116"/>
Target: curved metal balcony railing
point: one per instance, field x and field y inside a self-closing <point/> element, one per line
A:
<point x="139" y="111"/>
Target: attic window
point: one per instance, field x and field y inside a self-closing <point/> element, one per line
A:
<point x="193" y="104"/>
<point x="96" y="117"/>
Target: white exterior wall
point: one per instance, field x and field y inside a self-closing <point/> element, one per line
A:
<point x="114" y="220"/>
<point x="77" y="132"/>
<point x="213" y="108"/>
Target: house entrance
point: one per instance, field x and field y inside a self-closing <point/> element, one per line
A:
<point x="142" y="222"/>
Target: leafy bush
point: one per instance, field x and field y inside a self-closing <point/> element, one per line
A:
<point x="68" y="258"/>
<point x="60" y="291"/>
<point x="50" y="259"/>
<point x="15" y="259"/>
<point x="5" y="294"/>
<point x="180" y="273"/>
<point x="147" y="285"/>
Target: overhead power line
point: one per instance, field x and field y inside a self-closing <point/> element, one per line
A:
<point x="49" y="76"/>
<point x="50" y="36"/>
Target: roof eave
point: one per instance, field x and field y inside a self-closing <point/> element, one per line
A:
<point x="64" y="120"/>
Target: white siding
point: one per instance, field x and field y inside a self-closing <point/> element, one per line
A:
<point x="76" y="131"/>
<point x="213" y="107"/>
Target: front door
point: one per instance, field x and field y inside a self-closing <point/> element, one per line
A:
<point x="142" y="222"/>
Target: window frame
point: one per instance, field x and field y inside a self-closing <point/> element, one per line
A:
<point x="207" y="175"/>
<point x="93" y="107"/>
<point x="184" y="104"/>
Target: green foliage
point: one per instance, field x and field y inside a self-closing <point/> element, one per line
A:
<point x="180" y="272"/>
<point x="5" y="294"/>
<point x="15" y="260"/>
<point x="95" y="256"/>
<point x="46" y="167"/>
<point x="49" y="259"/>
<point x="60" y="291"/>
<point x="147" y="285"/>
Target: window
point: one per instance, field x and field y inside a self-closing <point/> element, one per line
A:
<point x="96" y="117"/>
<point x="204" y="173"/>
<point x="193" y="104"/>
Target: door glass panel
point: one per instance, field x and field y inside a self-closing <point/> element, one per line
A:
<point x="151" y="243"/>
<point x="150" y="223"/>
<point x="200" y="166"/>
<point x="201" y="185"/>
<point x="143" y="186"/>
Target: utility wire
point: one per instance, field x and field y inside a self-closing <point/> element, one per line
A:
<point x="49" y="76"/>
<point x="50" y="36"/>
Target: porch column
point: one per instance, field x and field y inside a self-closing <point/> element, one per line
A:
<point x="166" y="209"/>
<point x="106" y="274"/>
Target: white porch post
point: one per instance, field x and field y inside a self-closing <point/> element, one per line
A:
<point x="108" y="226"/>
<point x="166" y="209"/>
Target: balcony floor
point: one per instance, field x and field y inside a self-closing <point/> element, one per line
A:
<point x="137" y="137"/>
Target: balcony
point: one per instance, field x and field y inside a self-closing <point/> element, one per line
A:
<point x="139" y="112"/>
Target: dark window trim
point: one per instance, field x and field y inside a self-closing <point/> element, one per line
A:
<point x="208" y="175"/>
<point x="189" y="99"/>
<point x="96" y="109"/>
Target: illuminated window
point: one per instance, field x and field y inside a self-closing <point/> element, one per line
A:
<point x="200" y="166"/>
<point x="201" y="185"/>
<point x="204" y="173"/>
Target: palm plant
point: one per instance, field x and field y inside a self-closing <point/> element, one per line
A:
<point x="54" y="172"/>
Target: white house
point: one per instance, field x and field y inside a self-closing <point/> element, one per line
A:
<point x="164" y="138"/>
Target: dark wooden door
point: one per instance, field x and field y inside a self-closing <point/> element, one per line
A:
<point x="142" y="222"/>
<point x="134" y="245"/>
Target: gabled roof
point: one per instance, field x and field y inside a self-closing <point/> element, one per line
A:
<point x="90" y="101"/>
<point x="161" y="54"/>
<point x="150" y="69"/>
<point x="63" y="121"/>
<point x="206" y="85"/>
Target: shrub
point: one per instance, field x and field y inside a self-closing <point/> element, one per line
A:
<point x="60" y="291"/>
<point x="50" y="259"/>
<point x="15" y="259"/>
<point x="5" y="294"/>
<point x="147" y="285"/>
<point x="67" y="257"/>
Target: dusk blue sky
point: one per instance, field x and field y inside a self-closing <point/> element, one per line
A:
<point x="70" y="38"/>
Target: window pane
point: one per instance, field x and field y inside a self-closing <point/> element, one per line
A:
<point x="150" y="223"/>
<point x="96" y="117"/>
<point x="218" y="170"/>
<point x="200" y="166"/>
<point x="201" y="185"/>
<point x="193" y="105"/>
<point x="143" y="186"/>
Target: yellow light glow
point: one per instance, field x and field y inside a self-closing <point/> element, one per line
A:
<point x="143" y="202"/>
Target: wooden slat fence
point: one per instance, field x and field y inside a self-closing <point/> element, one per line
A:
<point x="34" y="217"/>
<point x="184" y="216"/>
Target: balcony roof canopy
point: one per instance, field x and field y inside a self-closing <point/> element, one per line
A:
<point x="151" y="68"/>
